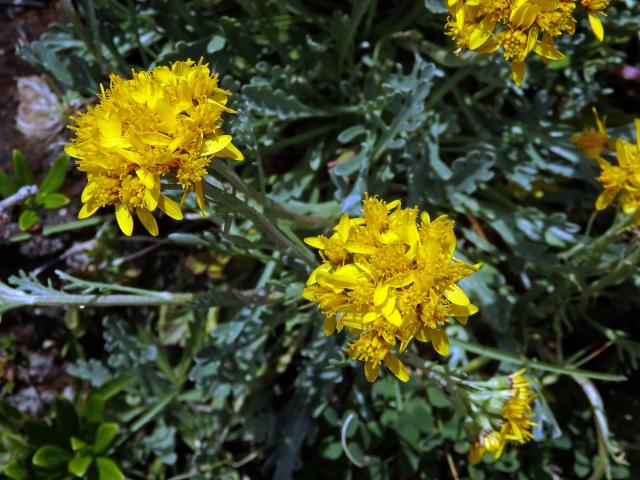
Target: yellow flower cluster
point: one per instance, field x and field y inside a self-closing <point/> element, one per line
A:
<point x="515" y="423"/>
<point x="389" y="280"/>
<point x="620" y="181"/>
<point x="167" y="120"/>
<point x="518" y="27"/>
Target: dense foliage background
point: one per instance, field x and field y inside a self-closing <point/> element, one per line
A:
<point x="334" y="99"/>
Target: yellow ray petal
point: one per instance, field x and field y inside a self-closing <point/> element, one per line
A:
<point x="214" y="145"/>
<point x="124" y="218"/>
<point x="605" y="199"/>
<point x="87" y="211"/>
<point x="380" y="294"/>
<point x="88" y="191"/>
<point x="147" y="220"/>
<point x="170" y="207"/>
<point x="456" y="295"/>
<point x="517" y="72"/>
<point x="230" y="151"/>
<point x="596" y="26"/>
<point x="151" y="197"/>
<point x="462" y="310"/>
<point x="397" y="367"/>
<point x="371" y="371"/>
<point x="440" y="341"/>
<point x="199" y="188"/>
<point x="315" y="242"/>
<point x="329" y="326"/>
<point x="548" y="50"/>
<point x="343" y="228"/>
<point x="481" y="33"/>
<point x="395" y="318"/>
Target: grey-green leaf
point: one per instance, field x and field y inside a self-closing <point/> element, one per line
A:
<point x="115" y="386"/>
<point x="268" y="102"/>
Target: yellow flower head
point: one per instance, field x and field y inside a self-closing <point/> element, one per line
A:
<point x="389" y="280"/>
<point x="518" y="27"/>
<point x="592" y="142"/>
<point x="515" y="422"/>
<point x="167" y="120"/>
<point x="619" y="181"/>
<point x="622" y="180"/>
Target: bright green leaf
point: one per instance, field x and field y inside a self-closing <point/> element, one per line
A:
<point x="54" y="200"/>
<point x="27" y="219"/>
<point x="79" y="465"/>
<point x="7" y="186"/>
<point x="108" y="470"/>
<point x="77" y="444"/>
<point x="104" y="436"/>
<point x="16" y="471"/>
<point x="56" y="175"/>
<point x="51" y="457"/>
<point x="94" y="408"/>
<point x="21" y="169"/>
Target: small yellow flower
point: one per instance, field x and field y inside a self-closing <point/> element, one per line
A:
<point x="167" y="120"/>
<point x="389" y="280"/>
<point x="518" y="27"/>
<point x="489" y="442"/>
<point x="515" y="423"/>
<point x="592" y="142"/>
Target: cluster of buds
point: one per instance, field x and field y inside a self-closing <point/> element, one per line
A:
<point x="501" y="412"/>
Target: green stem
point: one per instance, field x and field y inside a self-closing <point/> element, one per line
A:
<point x="496" y="354"/>
<point x="262" y="223"/>
<point x="237" y="183"/>
<point x="22" y="299"/>
<point x="602" y="428"/>
<point x="615" y="276"/>
<point x="435" y="96"/>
